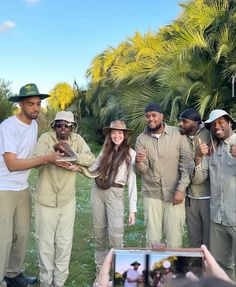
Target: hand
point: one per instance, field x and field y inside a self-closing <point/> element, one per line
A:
<point x="53" y="157"/>
<point x="211" y="266"/>
<point x="178" y="197"/>
<point x="103" y="279"/>
<point x="233" y="150"/>
<point x="202" y="149"/>
<point x="140" y="279"/>
<point x="131" y="218"/>
<point x="141" y="156"/>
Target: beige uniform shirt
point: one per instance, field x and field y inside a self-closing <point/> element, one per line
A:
<point x="56" y="186"/>
<point x="201" y="190"/>
<point x="125" y="175"/>
<point x="221" y="167"/>
<point x="167" y="166"/>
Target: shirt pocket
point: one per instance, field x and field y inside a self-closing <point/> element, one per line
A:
<point x="231" y="161"/>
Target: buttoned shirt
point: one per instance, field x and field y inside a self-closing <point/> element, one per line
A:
<point x="220" y="166"/>
<point x="56" y="185"/>
<point x="167" y="165"/>
<point x="201" y="190"/>
<point x="125" y="175"/>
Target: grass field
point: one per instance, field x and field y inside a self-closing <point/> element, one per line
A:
<point x="82" y="267"/>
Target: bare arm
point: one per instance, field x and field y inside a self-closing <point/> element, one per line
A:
<point x="15" y="164"/>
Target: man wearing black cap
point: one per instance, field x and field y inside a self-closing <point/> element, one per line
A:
<point x="18" y="136"/>
<point x="163" y="159"/>
<point x="198" y="195"/>
<point x="218" y="162"/>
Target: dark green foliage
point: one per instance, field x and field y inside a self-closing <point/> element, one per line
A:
<point x="6" y="107"/>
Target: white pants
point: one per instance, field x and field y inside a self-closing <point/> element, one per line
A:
<point x="54" y="235"/>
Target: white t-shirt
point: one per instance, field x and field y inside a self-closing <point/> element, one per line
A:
<point x="132" y="274"/>
<point x="18" y="138"/>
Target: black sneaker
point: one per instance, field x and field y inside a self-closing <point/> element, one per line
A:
<point x="20" y="281"/>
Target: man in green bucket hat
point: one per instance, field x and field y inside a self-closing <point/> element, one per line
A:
<point x="18" y="136"/>
<point x="27" y="91"/>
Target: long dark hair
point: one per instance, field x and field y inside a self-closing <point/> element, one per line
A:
<point x="110" y="153"/>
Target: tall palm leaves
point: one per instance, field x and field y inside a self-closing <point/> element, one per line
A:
<point x="187" y="63"/>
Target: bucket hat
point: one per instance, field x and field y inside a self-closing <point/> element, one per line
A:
<point x="64" y="116"/>
<point x="135" y="263"/>
<point x="115" y="125"/>
<point x="28" y="91"/>
<point x="215" y="114"/>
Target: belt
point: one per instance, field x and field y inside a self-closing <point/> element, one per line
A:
<point x="117" y="185"/>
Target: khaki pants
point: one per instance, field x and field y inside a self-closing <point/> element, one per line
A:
<point x="223" y="246"/>
<point x="54" y="235"/>
<point x="108" y="220"/>
<point x="198" y="221"/>
<point x="15" y="215"/>
<point x="163" y="217"/>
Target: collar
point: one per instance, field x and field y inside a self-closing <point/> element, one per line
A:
<point x="231" y="139"/>
<point x="167" y="130"/>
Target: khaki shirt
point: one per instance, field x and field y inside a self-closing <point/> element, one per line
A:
<point x="201" y="190"/>
<point x="125" y="175"/>
<point x="221" y="167"/>
<point x="56" y="186"/>
<point x="166" y="168"/>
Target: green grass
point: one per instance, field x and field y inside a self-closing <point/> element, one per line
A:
<point x="82" y="267"/>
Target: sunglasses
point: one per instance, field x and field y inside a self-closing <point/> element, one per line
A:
<point x="65" y="126"/>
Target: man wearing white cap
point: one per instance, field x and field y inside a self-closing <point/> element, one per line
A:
<point x="219" y="163"/>
<point x="55" y="198"/>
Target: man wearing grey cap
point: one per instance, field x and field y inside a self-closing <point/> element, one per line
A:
<point x="218" y="162"/>
<point x="163" y="159"/>
<point x="198" y="195"/>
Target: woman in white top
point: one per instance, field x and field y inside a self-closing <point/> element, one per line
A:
<point x="115" y="164"/>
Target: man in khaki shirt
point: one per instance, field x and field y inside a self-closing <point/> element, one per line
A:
<point x="198" y="195"/>
<point x="55" y="201"/>
<point x="163" y="159"/>
<point x="219" y="164"/>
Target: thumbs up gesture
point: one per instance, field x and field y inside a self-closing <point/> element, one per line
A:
<point x="202" y="149"/>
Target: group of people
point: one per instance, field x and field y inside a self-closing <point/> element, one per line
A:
<point x="187" y="172"/>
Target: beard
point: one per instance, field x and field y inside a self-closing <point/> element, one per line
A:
<point x="153" y="130"/>
<point x="182" y="131"/>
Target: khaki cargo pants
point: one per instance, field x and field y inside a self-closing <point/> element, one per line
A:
<point x="223" y="247"/>
<point x="15" y="216"/>
<point x="164" y="218"/>
<point x="108" y="220"/>
<point x="54" y="235"/>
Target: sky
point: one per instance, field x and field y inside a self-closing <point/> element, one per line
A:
<point x="51" y="41"/>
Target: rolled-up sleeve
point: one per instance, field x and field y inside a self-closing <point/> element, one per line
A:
<point x="201" y="171"/>
<point x="185" y="160"/>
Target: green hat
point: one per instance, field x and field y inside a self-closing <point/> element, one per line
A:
<point x="27" y="91"/>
